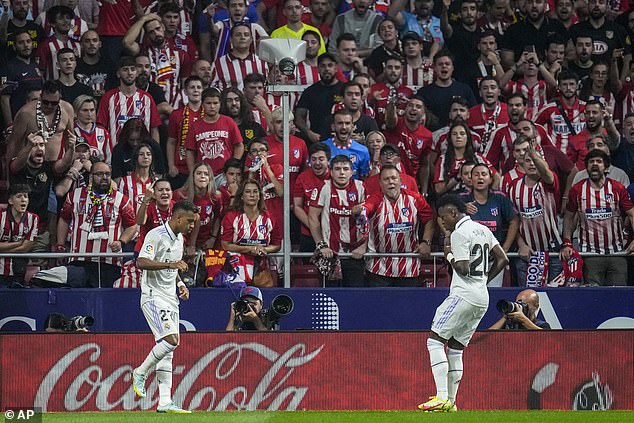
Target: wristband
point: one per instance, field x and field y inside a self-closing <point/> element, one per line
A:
<point x="181" y="283"/>
<point x="426" y="241"/>
<point x="321" y="245"/>
<point x="60" y="248"/>
<point x="450" y="257"/>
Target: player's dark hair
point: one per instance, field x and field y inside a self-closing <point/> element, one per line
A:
<point x="597" y="153"/>
<point x="55" y="11"/>
<point x="184" y="205"/>
<point x="345" y="112"/>
<point x="458" y="99"/>
<point x="319" y="146"/>
<point x="349" y="84"/>
<point x="451" y="200"/>
<point x="19" y="189"/>
<point x="259" y="141"/>
<point x="487" y="78"/>
<point x="593" y="102"/>
<point x="340" y="158"/>
<point x="168" y="7"/>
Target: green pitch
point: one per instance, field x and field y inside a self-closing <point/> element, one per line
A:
<point x="347" y="417"/>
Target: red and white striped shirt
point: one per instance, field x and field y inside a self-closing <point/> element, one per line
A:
<point x="308" y="74"/>
<point x="238" y="229"/>
<point x="484" y="121"/>
<point x="536" y="96"/>
<point x="274" y="101"/>
<point x="415" y="78"/>
<point x="338" y="226"/>
<point x="509" y="177"/>
<point x="552" y="119"/>
<point x="155" y="217"/>
<point x="78" y="26"/>
<point x="106" y="222"/>
<point x="439" y="140"/>
<point x="439" y="172"/>
<point x="274" y="203"/>
<point x="46" y="56"/>
<point x="209" y="210"/>
<point x="537" y="206"/>
<point x="500" y="149"/>
<point x="601" y="214"/>
<point x="12" y="231"/>
<point x="230" y="71"/>
<point x="98" y="139"/>
<point x="134" y="188"/>
<point x="307" y="187"/>
<point x="115" y="109"/>
<point x="168" y="65"/>
<point x="394" y="229"/>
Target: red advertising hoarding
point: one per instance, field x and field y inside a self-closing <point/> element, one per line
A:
<point x="319" y="371"/>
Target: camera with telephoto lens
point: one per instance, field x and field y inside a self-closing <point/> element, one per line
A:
<point x="506" y="307"/>
<point x="241" y="307"/>
<point x="78" y="323"/>
<point x="281" y="306"/>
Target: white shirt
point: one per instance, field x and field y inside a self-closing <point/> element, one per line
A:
<point x="161" y="244"/>
<point x="473" y="242"/>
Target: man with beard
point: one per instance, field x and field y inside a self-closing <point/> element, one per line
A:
<point x="102" y="220"/>
<point x="235" y="105"/>
<point x="555" y="55"/>
<point x="353" y="102"/>
<point x="532" y="31"/>
<point x="306" y="190"/>
<point x="411" y="137"/>
<point x="598" y="142"/>
<point x="607" y="35"/>
<point x="202" y="69"/>
<point x="342" y="143"/>
<point x="321" y="16"/>
<point x="70" y="87"/>
<point x="391" y="87"/>
<point x="597" y="206"/>
<point x="126" y="101"/>
<point x="360" y="21"/>
<point x="422" y="22"/>
<point x="93" y="68"/>
<point x="60" y="18"/>
<point x="30" y="167"/>
<point x="395" y="215"/>
<point x="168" y="64"/>
<point x="438" y="96"/>
<point x="492" y="209"/>
<point x="144" y="82"/>
<point x="582" y="63"/>
<point x="180" y="123"/>
<point x="463" y="38"/>
<point x="491" y="113"/>
<point x="565" y="13"/>
<point x="9" y="28"/>
<point x="487" y="65"/>
<point x="307" y="69"/>
<point x="50" y="117"/>
<point x="21" y="75"/>
<point x="318" y="99"/>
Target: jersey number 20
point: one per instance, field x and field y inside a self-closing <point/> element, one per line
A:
<point x="480" y="263"/>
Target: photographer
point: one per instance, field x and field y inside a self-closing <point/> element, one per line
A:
<point x="58" y="323"/>
<point x="526" y="301"/>
<point x="250" y="319"/>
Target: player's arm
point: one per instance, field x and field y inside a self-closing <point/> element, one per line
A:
<point x="299" y="212"/>
<point x="145" y="263"/>
<point x="501" y="261"/>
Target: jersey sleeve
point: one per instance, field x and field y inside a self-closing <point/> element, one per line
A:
<point x="150" y="245"/>
<point x="573" y="204"/>
<point x="173" y="126"/>
<point x="323" y="198"/>
<point x="67" y="209"/>
<point x="460" y="246"/>
<point x="226" y="228"/>
<point x="190" y="140"/>
<point x="32" y="234"/>
<point x="425" y="213"/>
<point x="128" y="215"/>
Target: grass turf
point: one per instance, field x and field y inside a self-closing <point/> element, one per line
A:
<point x="347" y="417"/>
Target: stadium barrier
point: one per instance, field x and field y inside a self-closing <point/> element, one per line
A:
<point x="319" y="371"/>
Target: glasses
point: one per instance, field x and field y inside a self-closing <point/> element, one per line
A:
<point x="102" y="174"/>
<point x="49" y="103"/>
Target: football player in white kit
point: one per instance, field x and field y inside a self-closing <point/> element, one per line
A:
<point x="160" y="258"/>
<point x="469" y="253"/>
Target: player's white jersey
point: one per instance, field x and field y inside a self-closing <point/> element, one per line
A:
<point x="161" y="244"/>
<point x="473" y="242"/>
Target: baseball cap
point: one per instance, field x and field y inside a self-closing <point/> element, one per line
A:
<point x="411" y="36"/>
<point x="251" y="291"/>
<point x="81" y="142"/>
<point x="390" y="148"/>
<point x="326" y="56"/>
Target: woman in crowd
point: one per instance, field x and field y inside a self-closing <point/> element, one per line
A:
<point x="134" y="184"/>
<point x="132" y="134"/>
<point x="375" y="140"/>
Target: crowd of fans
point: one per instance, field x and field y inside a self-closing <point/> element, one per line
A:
<point x="113" y="110"/>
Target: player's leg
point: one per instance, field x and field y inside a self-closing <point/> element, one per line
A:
<point x="454" y="375"/>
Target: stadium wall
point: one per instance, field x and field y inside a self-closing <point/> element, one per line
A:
<point x="319" y="371"/>
<point x="117" y="310"/>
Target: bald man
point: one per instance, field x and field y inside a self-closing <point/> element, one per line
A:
<point x="518" y="320"/>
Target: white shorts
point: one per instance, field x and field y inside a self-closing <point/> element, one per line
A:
<point x="456" y="318"/>
<point x="162" y="318"/>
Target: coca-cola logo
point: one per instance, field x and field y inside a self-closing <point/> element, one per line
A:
<point x="93" y="388"/>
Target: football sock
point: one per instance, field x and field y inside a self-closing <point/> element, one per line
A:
<point x="454" y="357"/>
<point x="160" y="350"/>
<point x="439" y="366"/>
<point x="164" y="376"/>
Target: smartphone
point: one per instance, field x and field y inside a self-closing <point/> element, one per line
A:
<point x="529" y="49"/>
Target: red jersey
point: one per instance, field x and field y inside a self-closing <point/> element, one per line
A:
<point x="372" y="184"/>
<point x="274" y="203"/>
<point x="77" y="27"/>
<point x="230" y="71"/>
<point x="601" y="213"/>
<point x="500" y="149"/>
<point x="258" y="117"/>
<point x="214" y="142"/>
<point x="155" y="217"/>
<point x="116" y="19"/>
<point x="412" y="144"/>
<point x="394" y="229"/>
<point x="168" y="66"/>
<point x="115" y="109"/>
<point x="439" y="140"/>
<point x="308" y="74"/>
<point x="95" y="224"/>
<point x="275" y="100"/>
<point x="485" y="121"/>
<point x="12" y="231"/>
<point x="238" y="229"/>
<point x="537" y="206"/>
<point x="307" y="186"/>
<point x="536" y="96"/>
<point x="297" y="155"/>
<point x="558" y="130"/>
<point x="338" y="226"/>
<point x="209" y="209"/>
<point x="415" y="78"/>
<point x="378" y="96"/>
<point x="180" y="121"/>
<point x="98" y="139"/>
<point x="134" y="188"/>
<point x="46" y="55"/>
<point x="439" y="173"/>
